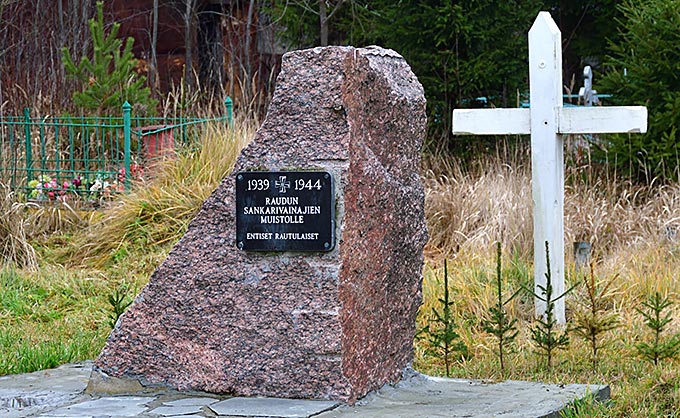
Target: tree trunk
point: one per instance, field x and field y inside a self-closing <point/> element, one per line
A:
<point x="246" y="53"/>
<point x="62" y="32"/>
<point x="154" y="42"/>
<point x="188" y="48"/>
<point x="323" y="22"/>
<point x="85" y="17"/>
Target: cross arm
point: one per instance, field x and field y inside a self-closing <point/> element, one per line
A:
<point x="571" y="120"/>
<point x="602" y="119"/>
<point x="491" y="122"/>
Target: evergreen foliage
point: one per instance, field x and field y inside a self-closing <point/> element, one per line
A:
<point x="587" y="28"/>
<point x="441" y="332"/>
<point x="460" y="50"/>
<point x="545" y="333"/>
<point x="656" y="320"/>
<point x="593" y="320"/>
<point x="118" y="302"/>
<point x="108" y="79"/>
<point x="645" y="70"/>
<point x="499" y="324"/>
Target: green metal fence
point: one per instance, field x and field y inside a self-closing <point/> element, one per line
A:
<point x="55" y="157"/>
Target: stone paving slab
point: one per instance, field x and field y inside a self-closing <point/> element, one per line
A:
<point x="120" y="406"/>
<point x="432" y="397"/>
<point x="192" y="402"/>
<point x="168" y="411"/>
<point x="59" y="393"/>
<point x="25" y="394"/>
<point x="271" y="407"/>
<point x="187" y="416"/>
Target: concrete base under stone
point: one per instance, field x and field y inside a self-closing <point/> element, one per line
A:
<point x="61" y="393"/>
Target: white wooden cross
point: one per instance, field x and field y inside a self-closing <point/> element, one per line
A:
<point x="546" y="120"/>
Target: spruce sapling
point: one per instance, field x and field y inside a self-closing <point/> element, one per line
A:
<point x="656" y="320"/>
<point x="119" y="303"/>
<point x="592" y="321"/>
<point x="545" y="333"/>
<point x="441" y="332"/>
<point x="499" y="323"/>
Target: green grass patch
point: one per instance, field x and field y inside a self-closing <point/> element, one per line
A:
<point x="51" y="317"/>
<point x="61" y="309"/>
<point x="45" y="351"/>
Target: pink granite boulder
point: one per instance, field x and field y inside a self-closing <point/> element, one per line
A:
<point x="322" y="325"/>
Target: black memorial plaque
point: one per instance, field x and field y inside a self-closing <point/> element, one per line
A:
<point x="285" y="211"/>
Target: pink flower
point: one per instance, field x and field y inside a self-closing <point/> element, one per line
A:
<point x="137" y="171"/>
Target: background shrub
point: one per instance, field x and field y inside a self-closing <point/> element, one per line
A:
<point x="645" y="70"/>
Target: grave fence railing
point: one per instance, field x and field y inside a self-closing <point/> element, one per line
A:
<point x="46" y="158"/>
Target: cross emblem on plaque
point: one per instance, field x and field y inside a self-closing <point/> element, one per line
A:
<point x="282" y="184"/>
<point x="547" y="122"/>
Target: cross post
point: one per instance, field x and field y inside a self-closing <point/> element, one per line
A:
<point x="547" y="156"/>
<point x="547" y="121"/>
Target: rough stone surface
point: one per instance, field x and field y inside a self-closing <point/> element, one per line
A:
<point x="323" y="325"/>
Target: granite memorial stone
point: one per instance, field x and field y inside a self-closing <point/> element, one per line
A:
<point x="302" y="277"/>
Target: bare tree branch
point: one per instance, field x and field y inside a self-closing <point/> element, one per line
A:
<point x="335" y="9"/>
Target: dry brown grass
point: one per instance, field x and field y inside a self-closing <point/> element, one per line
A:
<point x="634" y="229"/>
<point x="614" y="214"/>
<point x="59" y="217"/>
<point x="469" y="209"/>
<point x="157" y="213"/>
<point x="23" y="223"/>
<point x="15" y="247"/>
<point x="635" y="235"/>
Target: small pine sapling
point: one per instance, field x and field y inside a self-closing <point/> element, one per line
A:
<point x="593" y="320"/>
<point x="545" y="333"/>
<point x="656" y="320"/>
<point x="119" y="302"/>
<point x="499" y="324"/>
<point x="441" y="331"/>
<point x="109" y="77"/>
